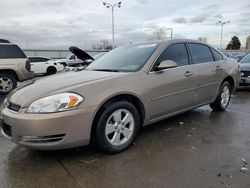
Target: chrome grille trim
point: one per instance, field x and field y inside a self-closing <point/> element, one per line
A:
<point x="13" y="107"/>
<point x="43" y="139"/>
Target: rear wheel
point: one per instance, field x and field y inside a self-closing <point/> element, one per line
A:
<point x="7" y="83"/>
<point x="117" y="127"/>
<point x="51" y="70"/>
<point x="223" y="97"/>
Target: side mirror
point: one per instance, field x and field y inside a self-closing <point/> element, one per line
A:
<point x="166" y="65"/>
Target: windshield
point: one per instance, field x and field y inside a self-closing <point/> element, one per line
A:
<point x="128" y="58"/>
<point x="68" y="56"/>
<point x="245" y="59"/>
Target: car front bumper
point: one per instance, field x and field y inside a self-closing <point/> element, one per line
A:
<point x="48" y="131"/>
<point x="244" y="81"/>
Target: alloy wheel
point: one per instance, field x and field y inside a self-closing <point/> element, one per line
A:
<point x="225" y="96"/>
<point x="119" y="127"/>
<point x="6" y="84"/>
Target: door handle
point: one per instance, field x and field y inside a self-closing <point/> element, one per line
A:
<point x="217" y="68"/>
<point x="187" y="74"/>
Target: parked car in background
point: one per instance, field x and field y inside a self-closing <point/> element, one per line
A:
<point x="235" y="55"/>
<point x="129" y="87"/>
<point x="14" y="66"/>
<point x="245" y="70"/>
<point x="85" y="58"/>
<point x="77" y="58"/>
<point x="44" y="65"/>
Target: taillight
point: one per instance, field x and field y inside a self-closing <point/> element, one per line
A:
<point x="27" y="65"/>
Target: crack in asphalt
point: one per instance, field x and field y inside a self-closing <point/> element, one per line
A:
<point x="68" y="172"/>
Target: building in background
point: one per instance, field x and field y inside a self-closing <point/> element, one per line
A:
<point x="248" y="43"/>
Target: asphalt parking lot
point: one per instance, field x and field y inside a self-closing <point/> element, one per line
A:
<point x="200" y="148"/>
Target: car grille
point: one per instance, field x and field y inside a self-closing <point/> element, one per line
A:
<point x="7" y="130"/>
<point x="14" y="107"/>
<point x="43" y="139"/>
<point x="245" y="73"/>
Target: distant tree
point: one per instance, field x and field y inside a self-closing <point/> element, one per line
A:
<point x="202" y="39"/>
<point x="103" y="44"/>
<point x="158" y="33"/>
<point x="234" y="44"/>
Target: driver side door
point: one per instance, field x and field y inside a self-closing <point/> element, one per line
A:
<point x="172" y="89"/>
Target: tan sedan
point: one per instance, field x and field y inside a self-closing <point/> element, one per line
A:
<point x="125" y="89"/>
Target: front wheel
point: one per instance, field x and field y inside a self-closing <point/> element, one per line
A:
<point x="7" y="83"/>
<point x="117" y="127"/>
<point x="223" y="97"/>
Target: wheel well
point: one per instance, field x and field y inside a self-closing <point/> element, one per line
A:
<point x="124" y="97"/>
<point x="230" y="80"/>
<point x="11" y="72"/>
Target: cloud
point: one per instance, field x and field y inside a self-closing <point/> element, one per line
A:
<point x="180" y="20"/>
<point x="199" y="18"/>
<point x="218" y="16"/>
<point x="143" y="1"/>
<point x="61" y="23"/>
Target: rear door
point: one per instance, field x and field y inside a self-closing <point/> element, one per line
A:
<point x="206" y="71"/>
<point x="173" y="89"/>
<point x="39" y="65"/>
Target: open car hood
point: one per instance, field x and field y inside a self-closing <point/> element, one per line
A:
<point x="80" y="53"/>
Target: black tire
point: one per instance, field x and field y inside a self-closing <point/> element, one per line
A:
<point x="12" y="81"/>
<point x="217" y="104"/>
<point x="100" y="136"/>
<point x="51" y="70"/>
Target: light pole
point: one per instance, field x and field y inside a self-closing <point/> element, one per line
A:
<point x="221" y="32"/>
<point x="108" y="5"/>
<point x="171" y="30"/>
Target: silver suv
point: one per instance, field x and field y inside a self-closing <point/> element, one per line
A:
<point x="14" y="66"/>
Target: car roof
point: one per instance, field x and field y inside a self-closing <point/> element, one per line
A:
<point x="170" y="41"/>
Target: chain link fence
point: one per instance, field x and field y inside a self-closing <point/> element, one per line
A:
<point x="55" y="54"/>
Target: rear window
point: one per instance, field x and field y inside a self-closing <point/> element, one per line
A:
<point x="217" y="55"/>
<point x="10" y="52"/>
<point x="200" y="53"/>
<point x="38" y="59"/>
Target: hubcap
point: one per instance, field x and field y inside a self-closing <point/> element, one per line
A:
<point x="6" y="84"/>
<point x="119" y="127"/>
<point x="225" y="95"/>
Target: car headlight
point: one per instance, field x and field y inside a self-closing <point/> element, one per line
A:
<point x="56" y="103"/>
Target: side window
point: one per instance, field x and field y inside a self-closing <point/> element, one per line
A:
<point x="72" y="57"/>
<point x="175" y="52"/>
<point x="32" y="59"/>
<point x="11" y="51"/>
<point x="200" y="53"/>
<point x="41" y="59"/>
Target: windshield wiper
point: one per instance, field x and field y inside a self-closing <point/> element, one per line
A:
<point x="107" y="70"/>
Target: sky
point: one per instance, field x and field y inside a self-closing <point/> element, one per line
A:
<point x="59" y="24"/>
